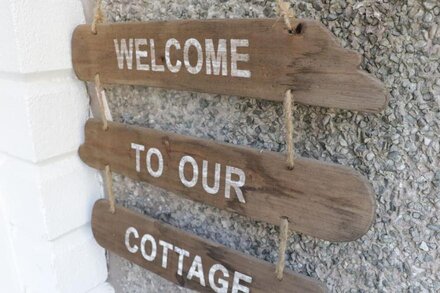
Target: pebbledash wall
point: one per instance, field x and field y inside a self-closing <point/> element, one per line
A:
<point x="46" y="192"/>
<point x="398" y="149"/>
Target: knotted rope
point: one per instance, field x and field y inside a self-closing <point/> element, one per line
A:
<point x="102" y="101"/>
<point x="284" y="234"/>
<point x="98" y="16"/>
<point x="109" y="188"/>
<point x="288" y="124"/>
<point x="287" y="14"/>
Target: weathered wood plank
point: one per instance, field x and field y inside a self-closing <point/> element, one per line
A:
<point x="323" y="200"/>
<point x="123" y="231"/>
<point x="309" y="61"/>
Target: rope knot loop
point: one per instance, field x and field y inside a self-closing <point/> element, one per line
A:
<point x="102" y="102"/>
<point x="286" y="12"/>
<point x="109" y="188"/>
<point x="288" y="123"/>
<point x="98" y="16"/>
<point x="284" y="234"/>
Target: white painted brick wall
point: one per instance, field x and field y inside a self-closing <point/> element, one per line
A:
<point x="42" y="115"/>
<point x="9" y="278"/>
<point x="8" y="49"/>
<point x="103" y="288"/>
<point x="55" y="197"/>
<point x="46" y="192"/>
<point x="69" y="264"/>
<point x="41" y="33"/>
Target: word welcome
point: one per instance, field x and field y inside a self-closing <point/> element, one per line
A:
<point x="131" y="52"/>
<point x="196" y="269"/>
<point x="189" y="161"/>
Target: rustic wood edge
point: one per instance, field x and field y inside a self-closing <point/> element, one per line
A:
<point x="374" y="81"/>
<point x="369" y="192"/>
<point x="102" y="205"/>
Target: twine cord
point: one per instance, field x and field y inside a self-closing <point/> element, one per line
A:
<point x="98" y="16"/>
<point x="288" y="122"/>
<point x="101" y="96"/>
<point x="97" y="19"/>
<point x="284" y="234"/>
<point x="286" y="13"/>
<point x="109" y="188"/>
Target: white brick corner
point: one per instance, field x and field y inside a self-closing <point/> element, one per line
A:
<point x="70" y="264"/>
<point x="103" y="288"/>
<point x="39" y="34"/>
<point x="43" y="116"/>
<point x="46" y="192"/>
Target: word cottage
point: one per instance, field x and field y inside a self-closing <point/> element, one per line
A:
<point x="147" y="246"/>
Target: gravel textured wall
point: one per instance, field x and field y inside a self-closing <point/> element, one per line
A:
<point x="398" y="150"/>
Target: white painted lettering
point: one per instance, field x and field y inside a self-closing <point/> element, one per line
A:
<point x="165" y="247"/>
<point x="182" y="253"/>
<point x="138" y="148"/>
<point x="131" y="230"/>
<point x="237" y="287"/>
<point x="235" y="57"/>
<point x="223" y="284"/>
<point x="216" y="61"/>
<point x="158" y="154"/>
<point x="218" y="274"/>
<point x="188" y="44"/>
<point x="152" y="255"/>
<point x="173" y="68"/>
<point x="154" y="66"/>
<point x="123" y="53"/>
<point x="195" y="168"/>
<point x="221" y="60"/>
<point x="215" y="188"/>
<point x="141" y="54"/>
<point x="235" y="184"/>
<point x="197" y="270"/>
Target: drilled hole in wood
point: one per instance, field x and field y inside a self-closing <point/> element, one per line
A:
<point x="299" y="28"/>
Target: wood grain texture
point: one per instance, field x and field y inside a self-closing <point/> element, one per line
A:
<point x="323" y="200"/>
<point x="309" y="61"/>
<point x="109" y="230"/>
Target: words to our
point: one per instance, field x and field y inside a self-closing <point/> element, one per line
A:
<point x="196" y="270"/>
<point x="134" y="51"/>
<point x="187" y="161"/>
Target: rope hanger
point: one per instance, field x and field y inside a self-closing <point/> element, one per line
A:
<point x="287" y="14"/>
<point x="102" y="101"/>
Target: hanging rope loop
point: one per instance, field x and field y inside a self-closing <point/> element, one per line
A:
<point x="98" y="16"/>
<point x="288" y="124"/>
<point x="109" y="188"/>
<point x="284" y="234"/>
<point x="102" y="101"/>
<point x="286" y="13"/>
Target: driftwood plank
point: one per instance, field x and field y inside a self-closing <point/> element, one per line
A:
<point x="267" y="61"/>
<point x="323" y="200"/>
<point x="204" y="265"/>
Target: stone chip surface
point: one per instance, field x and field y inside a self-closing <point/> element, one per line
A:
<point x="397" y="150"/>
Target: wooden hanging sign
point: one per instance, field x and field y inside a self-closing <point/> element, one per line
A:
<point x="188" y="260"/>
<point x="245" y="57"/>
<point x="323" y="200"/>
